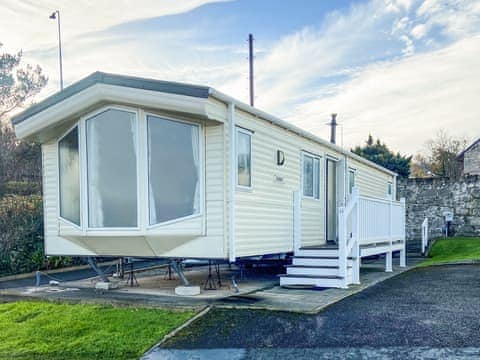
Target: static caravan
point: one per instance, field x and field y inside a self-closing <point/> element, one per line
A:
<point x="145" y="168"/>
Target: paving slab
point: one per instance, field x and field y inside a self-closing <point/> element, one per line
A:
<point x="259" y="290"/>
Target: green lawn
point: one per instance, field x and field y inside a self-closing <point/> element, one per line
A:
<point x="454" y="249"/>
<point x="43" y="330"/>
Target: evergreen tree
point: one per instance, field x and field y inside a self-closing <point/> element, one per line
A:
<point x="380" y="154"/>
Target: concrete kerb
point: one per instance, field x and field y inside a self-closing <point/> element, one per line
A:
<point x="174" y="332"/>
<point x="53" y="271"/>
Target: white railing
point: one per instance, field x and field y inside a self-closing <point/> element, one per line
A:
<point x="381" y="220"/>
<point x="297" y="221"/>
<point x="424" y="235"/>
<point x="367" y="221"/>
<point x="348" y="244"/>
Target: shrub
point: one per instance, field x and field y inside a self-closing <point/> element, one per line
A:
<point x="21" y="237"/>
<point x="21" y="234"/>
<point x="20" y="188"/>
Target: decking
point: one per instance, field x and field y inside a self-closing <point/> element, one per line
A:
<point x="367" y="226"/>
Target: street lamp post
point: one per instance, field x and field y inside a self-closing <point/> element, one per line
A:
<point x="56" y="15"/>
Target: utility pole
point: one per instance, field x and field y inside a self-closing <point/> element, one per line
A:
<point x="56" y="15"/>
<point x="250" y="61"/>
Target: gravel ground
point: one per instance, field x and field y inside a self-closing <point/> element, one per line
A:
<point x="435" y="308"/>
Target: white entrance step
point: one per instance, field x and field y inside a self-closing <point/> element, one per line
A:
<point x="314" y="270"/>
<point x="312" y="280"/>
<point x="317" y="251"/>
<point x="317" y="261"/>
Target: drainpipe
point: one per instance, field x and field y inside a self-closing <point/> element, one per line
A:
<point x="233" y="181"/>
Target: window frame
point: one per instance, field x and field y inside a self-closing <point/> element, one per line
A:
<point x="141" y="140"/>
<point x="319" y="183"/>
<point x="389" y="190"/>
<point x="57" y="144"/>
<point x="201" y="173"/>
<point x="242" y="130"/>
<point x="84" y="177"/>
<point x="354" y="172"/>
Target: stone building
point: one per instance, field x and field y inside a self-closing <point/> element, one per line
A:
<point x="470" y="158"/>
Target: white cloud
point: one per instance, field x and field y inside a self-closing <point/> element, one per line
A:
<point x="405" y="101"/>
<point x="455" y="18"/>
<point x="419" y="31"/>
<point x="332" y="67"/>
<point x="30" y="26"/>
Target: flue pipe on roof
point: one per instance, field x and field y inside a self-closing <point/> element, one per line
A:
<point x="333" y="129"/>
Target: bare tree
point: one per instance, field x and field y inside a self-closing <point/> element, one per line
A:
<point x="440" y="158"/>
<point x="19" y="160"/>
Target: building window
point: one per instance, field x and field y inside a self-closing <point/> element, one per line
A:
<point x="173" y="169"/>
<point x="389" y="189"/>
<point x="244" y="158"/>
<point x="351" y="180"/>
<point x="311" y="176"/>
<point x="69" y="178"/>
<point x="112" y="169"/>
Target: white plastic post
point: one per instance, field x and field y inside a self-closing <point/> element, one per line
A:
<point x="403" y="252"/>
<point x="342" y="245"/>
<point x="297" y="221"/>
<point x="388" y="262"/>
<point x="357" y="262"/>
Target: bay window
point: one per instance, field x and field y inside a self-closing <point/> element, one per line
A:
<point x="112" y="169"/>
<point x="69" y="177"/>
<point x="173" y="169"/>
<point x="113" y="158"/>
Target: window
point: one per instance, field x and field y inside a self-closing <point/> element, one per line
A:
<point x="112" y="169"/>
<point x="389" y="189"/>
<point x="244" y="158"/>
<point x="311" y="176"/>
<point x="69" y="179"/>
<point x="173" y="169"/>
<point x="351" y="180"/>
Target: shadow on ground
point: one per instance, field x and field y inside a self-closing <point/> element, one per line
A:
<point x="435" y="307"/>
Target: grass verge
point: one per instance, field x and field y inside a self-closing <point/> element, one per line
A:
<point x="453" y="249"/>
<point x="43" y="330"/>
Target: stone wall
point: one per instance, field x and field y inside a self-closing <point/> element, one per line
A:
<point x="432" y="197"/>
<point x="471" y="160"/>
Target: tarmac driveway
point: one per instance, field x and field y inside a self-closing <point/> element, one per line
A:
<point x="424" y="313"/>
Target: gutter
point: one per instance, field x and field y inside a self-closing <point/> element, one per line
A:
<point x="290" y="127"/>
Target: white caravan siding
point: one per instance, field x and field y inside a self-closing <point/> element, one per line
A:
<point x="264" y="214"/>
<point x="198" y="237"/>
<point x="370" y="181"/>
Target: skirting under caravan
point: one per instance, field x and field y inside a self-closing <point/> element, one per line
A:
<point x="145" y="168"/>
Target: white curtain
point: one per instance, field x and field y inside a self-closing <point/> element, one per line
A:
<point x="95" y="206"/>
<point x="196" y="160"/>
<point x="151" y="196"/>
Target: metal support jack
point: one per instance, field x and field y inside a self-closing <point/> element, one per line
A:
<point x="168" y="273"/>
<point x="132" y="279"/>
<point x="210" y="283"/>
<point x="176" y="266"/>
<point x="93" y="264"/>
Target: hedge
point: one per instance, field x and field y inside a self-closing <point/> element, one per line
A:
<point x="21" y="237"/>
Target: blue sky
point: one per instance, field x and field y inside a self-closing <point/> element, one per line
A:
<point x="399" y="69"/>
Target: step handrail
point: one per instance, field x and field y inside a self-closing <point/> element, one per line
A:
<point x="348" y="242"/>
